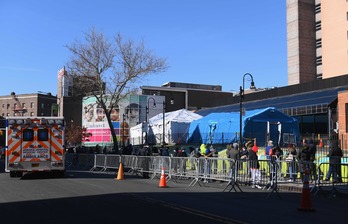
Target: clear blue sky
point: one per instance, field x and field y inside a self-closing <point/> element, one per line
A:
<point x="204" y="41"/>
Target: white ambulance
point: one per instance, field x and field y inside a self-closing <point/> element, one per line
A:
<point x="34" y="144"/>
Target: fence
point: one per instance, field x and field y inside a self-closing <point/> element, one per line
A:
<point x="270" y="173"/>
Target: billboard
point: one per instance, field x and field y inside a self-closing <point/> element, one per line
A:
<point x="131" y="111"/>
<point x="95" y="121"/>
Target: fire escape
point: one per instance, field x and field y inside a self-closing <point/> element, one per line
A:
<point x="17" y="106"/>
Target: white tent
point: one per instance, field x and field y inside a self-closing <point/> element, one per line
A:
<point x="175" y="129"/>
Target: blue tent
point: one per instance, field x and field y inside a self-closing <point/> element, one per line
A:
<point x="261" y="124"/>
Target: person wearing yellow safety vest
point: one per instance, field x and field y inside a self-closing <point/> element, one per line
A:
<point x="203" y="149"/>
<point x="201" y="162"/>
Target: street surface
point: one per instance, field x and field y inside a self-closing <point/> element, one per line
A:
<point x="94" y="197"/>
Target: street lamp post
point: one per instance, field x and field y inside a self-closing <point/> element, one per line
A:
<point x="123" y="124"/>
<point x="241" y="96"/>
<point x="164" y="113"/>
<point x="146" y="117"/>
<point x="147" y="107"/>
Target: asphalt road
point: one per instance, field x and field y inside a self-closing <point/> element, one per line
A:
<point x="93" y="197"/>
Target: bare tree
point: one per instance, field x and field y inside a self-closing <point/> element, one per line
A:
<point x="73" y="134"/>
<point x="111" y="70"/>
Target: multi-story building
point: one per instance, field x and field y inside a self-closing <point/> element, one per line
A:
<point x="189" y="96"/>
<point x="317" y="37"/>
<point x="35" y="104"/>
<point x="69" y="105"/>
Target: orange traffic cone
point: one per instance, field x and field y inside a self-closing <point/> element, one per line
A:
<point x="163" y="182"/>
<point x="120" y="172"/>
<point x="306" y="202"/>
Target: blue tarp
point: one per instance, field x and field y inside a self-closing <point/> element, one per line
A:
<point x="261" y="124"/>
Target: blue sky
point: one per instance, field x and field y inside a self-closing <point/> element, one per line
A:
<point x="204" y="41"/>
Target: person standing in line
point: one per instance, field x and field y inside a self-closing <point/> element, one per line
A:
<point x="244" y="155"/>
<point x="208" y="162"/>
<point x="203" y="149"/>
<point x="276" y="156"/>
<point x="144" y="153"/>
<point x="269" y="148"/>
<point x="215" y="155"/>
<point x="192" y="157"/>
<point x="182" y="162"/>
<point x="164" y="151"/>
<point x="254" y="165"/>
<point x="335" y="155"/>
<point x="233" y="153"/>
<point x="135" y="151"/>
<point x="290" y="160"/>
<point x="174" y="160"/>
<point x="304" y="159"/>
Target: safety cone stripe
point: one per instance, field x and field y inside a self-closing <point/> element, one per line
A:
<point x="162" y="182"/>
<point x="306" y="202"/>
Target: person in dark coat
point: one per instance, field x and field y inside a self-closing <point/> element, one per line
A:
<point x="254" y="165"/>
<point x="304" y="159"/>
<point x="335" y="155"/>
<point x="145" y="151"/>
<point x="233" y="153"/>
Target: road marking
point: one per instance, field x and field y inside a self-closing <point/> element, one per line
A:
<point x="189" y="210"/>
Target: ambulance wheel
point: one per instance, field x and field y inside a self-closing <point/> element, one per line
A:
<point x="16" y="174"/>
<point x="61" y="173"/>
<point x="13" y="174"/>
<point x="58" y="173"/>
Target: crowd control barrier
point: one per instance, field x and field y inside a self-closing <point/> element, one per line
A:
<point x="271" y="172"/>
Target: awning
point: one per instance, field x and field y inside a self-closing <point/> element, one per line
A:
<point x="312" y="98"/>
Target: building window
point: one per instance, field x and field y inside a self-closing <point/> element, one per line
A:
<point x="318" y="43"/>
<point x="15" y="106"/>
<point x="319" y="60"/>
<point x="31" y="114"/>
<point x="42" y="105"/>
<point x="3" y="105"/>
<point x="8" y="105"/>
<point x="23" y="105"/>
<point x="32" y="105"/>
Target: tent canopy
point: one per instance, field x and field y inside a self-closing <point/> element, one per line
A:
<point x="261" y="124"/>
<point x="176" y="124"/>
